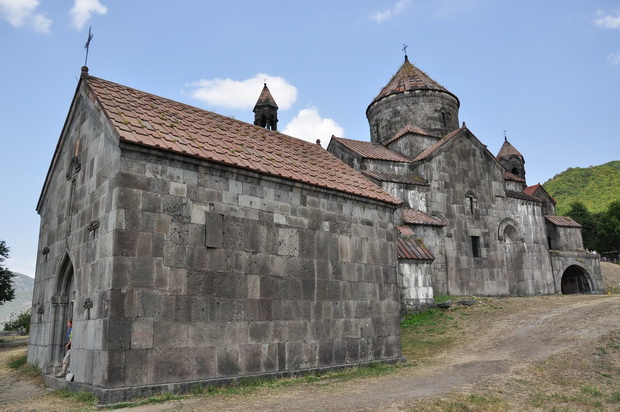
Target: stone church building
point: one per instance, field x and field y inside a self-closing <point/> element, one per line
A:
<point x="469" y="223"/>
<point x="192" y="248"/>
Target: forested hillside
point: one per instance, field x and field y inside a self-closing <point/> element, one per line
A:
<point x="596" y="187"/>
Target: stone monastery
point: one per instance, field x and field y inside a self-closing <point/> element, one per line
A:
<point x="190" y="247"/>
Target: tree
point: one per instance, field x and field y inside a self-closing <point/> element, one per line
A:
<point x="19" y="320"/>
<point x="7" y="292"/>
<point x="609" y="227"/>
<point x="580" y="213"/>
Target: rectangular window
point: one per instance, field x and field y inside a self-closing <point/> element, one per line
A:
<point x="475" y="246"/>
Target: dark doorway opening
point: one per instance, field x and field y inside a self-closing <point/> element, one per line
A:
<point x="575" y="280"/>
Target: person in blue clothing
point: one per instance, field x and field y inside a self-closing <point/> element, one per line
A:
<point x="67" y="358"/>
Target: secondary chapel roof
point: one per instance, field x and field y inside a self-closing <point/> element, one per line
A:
<point x="562" y="221"/>
<point x="164" y="124"/>
<point x="369" y="150"/>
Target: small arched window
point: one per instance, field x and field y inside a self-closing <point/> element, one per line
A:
<point x="472" y="201"/>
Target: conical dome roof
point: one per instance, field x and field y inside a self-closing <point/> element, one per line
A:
<point x="265" y="98"/>
<point x="408" y="78"/>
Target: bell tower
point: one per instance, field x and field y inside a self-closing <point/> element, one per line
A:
<point x="266" y="110"/>
<point x="511" y="159"/>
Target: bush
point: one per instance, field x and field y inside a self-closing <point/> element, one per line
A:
<point x="19" y="320"/>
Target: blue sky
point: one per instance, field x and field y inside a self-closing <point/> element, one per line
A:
<point x="547" y="72"/>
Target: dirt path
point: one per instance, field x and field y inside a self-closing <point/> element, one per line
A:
<point x="11" y="387"/>
<point x="497" y="345"/>
<point x="525" y="332"/>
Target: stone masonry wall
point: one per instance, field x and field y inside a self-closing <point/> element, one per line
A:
<point x="412" y="145"/>
<point x="75" y="240"/>
<point x="219" y="273"/>
<point x="564" y="238"/>
<point x="422" y="108"/>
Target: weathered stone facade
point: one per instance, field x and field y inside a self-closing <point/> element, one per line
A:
<point x="178" y="270"/>
<point x="487" y="233"/>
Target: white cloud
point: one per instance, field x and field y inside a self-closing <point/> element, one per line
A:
<point x="243" y="94"/>
<point x="308" y="125"/>
<point x="83" y="10"/>
<point x="614" y="58"/>
<point x="20" y="13"/>
<point x="395" y="10"/>
<point x="609" y="21"/>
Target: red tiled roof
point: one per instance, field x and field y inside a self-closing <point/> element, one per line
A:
<point x="563" y="221"/>
<point x="408" y="129"/>
<point x="153" y="121"/>
<point x="408" y="78"/>
<point x="409" y="247"/>
<point x="508" y="150"/>
<point x="415" y="217"/>
<point x="531" y="190"/>
<point x="371" y="150"/>
<point x="521" y="195"/>
<point x="389" y="177"/>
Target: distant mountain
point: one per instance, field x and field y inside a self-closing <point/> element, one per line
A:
<point x="24" y="286"/>
<point x="596" y="187"/>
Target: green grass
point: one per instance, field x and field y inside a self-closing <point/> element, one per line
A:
<point x="81" y="397"/>
<point x="21" y="365"/>
<point x="17" y="362"/>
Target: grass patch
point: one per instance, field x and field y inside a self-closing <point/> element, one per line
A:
<point x="17" y="362"/>
<point x="20" y="364"/>
<point x="81" y="397"/>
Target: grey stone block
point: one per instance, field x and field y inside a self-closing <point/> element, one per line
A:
<point x="228" y="361"/>
<point x="142" y="333"/>
<point x="250" y="358"/>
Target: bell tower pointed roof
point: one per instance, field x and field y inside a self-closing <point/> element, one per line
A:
<point x="266" y="110"/>
<point x="409" y="78"/>
<point x="265" y="98"/>
<point x="507" y="150"/>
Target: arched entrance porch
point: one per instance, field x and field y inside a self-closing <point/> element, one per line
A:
<point x="575" y="280"/>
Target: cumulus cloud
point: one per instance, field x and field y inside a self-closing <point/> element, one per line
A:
<point x="21" y="13"/>
<point x="395" y="10"/>
<point x="242" y="94"/>
<point x="309" y="125"/>
<point x="608" y="21"/>
<point x="83" y="10"/>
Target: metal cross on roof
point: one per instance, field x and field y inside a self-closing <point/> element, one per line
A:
<point x="405" y="49"/>
<point x="87" y="45"/>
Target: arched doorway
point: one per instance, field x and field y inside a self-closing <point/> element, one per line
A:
<point x="575" y="280"/>
<point x="513" y="253"/>
<point x="63" y="303"/>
